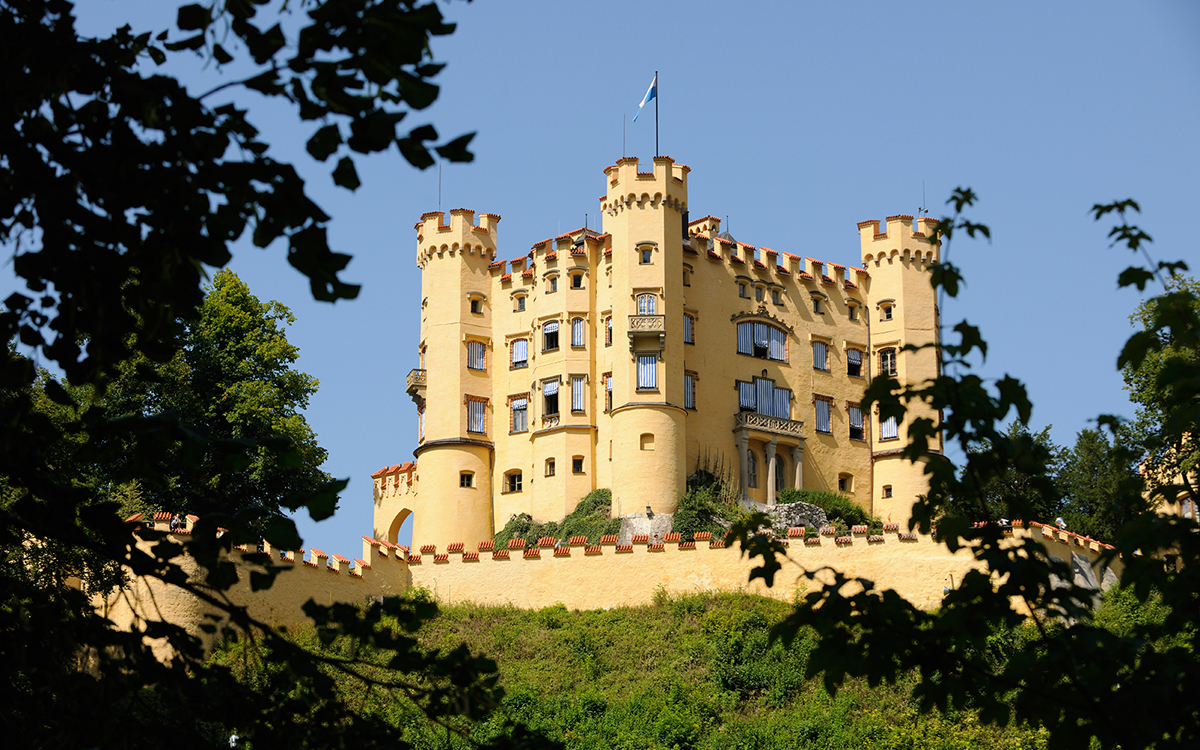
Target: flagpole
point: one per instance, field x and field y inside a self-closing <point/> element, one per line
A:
<point x="656" y="97"/>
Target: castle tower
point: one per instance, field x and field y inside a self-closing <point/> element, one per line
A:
<point x="902" y="310"/>
<point x="646" y="214"/>
<point x="456" y="404"/>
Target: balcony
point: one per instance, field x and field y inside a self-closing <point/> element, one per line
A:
<point x="647" y="332"/>
<point x="416" y="387"/>
<point x="749" y="420"/>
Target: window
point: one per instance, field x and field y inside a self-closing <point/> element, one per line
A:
<point x="475" y="309"/>
<point x="466" y="479"/>
<point x="647" y="372"/>
<point x="520" y="304"/>
<point x="646" y="255"/>
<point x="577" y="281"/>
<point x="742" y="291"/>
<point x="853" y="312"/>
<point x="608" y="392"/>
<point x="550" y="397"/>
<point x="854" y="363"/>
<point x="887" y="430"/>
<point x="552" y="285"/>
<point x="687" y="277"/>
<point x="549" y="467"/>
<point x="550" y="336"/>
<point x="520" y="353"/>
<point x="856" y="422"/>
<point x="845" y="483"/>
<point x="885" y="312"/>
<point x="512" y="481"/>
<point x="887" y="362"/>
<point x="887" y="490"/>
<point x="577" y="332"/>
<point x="476" y="355"/>
<point x="689" y="328"/>
<point x="647" y="441"/>
<point x="476" y="415"/>
<point x="421" y="423"/>
<point x="817" y="305"/>
<point x="646" y="304"/>
<point x="762" y="341"/>
<point x="520" y="415"/>
<point x="823" y="416"/>
<point x="751" y="469"/>
<point x="577" y="464"/>
<point x="577" y="393"/>
<point x="758" y="294"/>
<point x="689" y="391"/>
<point x="780" y="481"/>
<point x="608" y="331"/>
<point x="775" y="297"/>
<point x="820" y="356"/>
<point x="763" y="397"/>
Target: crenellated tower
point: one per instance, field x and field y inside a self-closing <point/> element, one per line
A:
<point x="902" y="311"/>
<point x="646" y="215"/>
<point x="455" y="402"/>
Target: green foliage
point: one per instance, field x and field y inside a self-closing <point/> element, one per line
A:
<point x="1025" y="489"/>
<point x="693" y="671"/>
<point x="233" y="380"/>
<point x="591" y="518"/>
<point x="1086" y="685"/>
<point x="119" y="191"/>
<point x="710" y="502"/>
<point x="1102" y="491"/>
<point x="1164" y="385"/>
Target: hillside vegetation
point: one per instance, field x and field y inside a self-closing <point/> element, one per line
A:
<point x="692" y="672"/>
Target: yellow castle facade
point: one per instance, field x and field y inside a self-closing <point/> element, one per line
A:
<point x="629" y="357"/>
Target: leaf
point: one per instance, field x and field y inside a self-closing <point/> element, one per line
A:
<point x="456" y="150"/>
<point x="345" y="175"/>
<point x="221" y="55"/>
<point x="324" y="142"/>
<point x="57" y="393"/>
<point x="193" y="17"/>
<point x="195" y="42"/>
<point x="157" y="55"/>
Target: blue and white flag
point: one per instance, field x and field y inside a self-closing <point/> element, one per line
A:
<point x="651" y="93"/>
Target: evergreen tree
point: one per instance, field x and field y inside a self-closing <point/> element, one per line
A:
<point x="1018" y="491"/>
<point x="1101" y="488"/>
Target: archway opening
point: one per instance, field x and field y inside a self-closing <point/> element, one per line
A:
<point x="401" y="528"/>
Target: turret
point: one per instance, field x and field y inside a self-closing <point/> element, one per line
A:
<point x="902" y="311"/>
<point x="456" y="405"/>
<point x="646" y="214"/>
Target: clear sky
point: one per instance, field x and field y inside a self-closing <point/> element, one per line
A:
<point x="798" y="120"/>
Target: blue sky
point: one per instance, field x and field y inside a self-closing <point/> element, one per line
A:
<point x="798" y="120"/>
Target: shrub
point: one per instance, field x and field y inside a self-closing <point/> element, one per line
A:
<point x="591" y="518"/>
<point x="839" y="509"/>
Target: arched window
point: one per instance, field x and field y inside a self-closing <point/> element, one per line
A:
<point x="762" y="340"/>
<point x="751" y="468"/>
<point x="647" y="304"/>
<point x="550" y="336"/>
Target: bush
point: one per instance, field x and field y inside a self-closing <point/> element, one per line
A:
<point x="591" y="518"/>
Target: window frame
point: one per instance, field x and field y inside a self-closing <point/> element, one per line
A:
<point x="513" y="410"/>
<point x="689" y="329"/>
<point x="887" y="361"/>
<point x="822" y="362"/>
<point x="546" y="403"/>
<point x="476" y="355"/>
<point x="513" y="481"/>
<point x="850" y="362"/>
<point x="546" y="347"/>
<point x="578" y="333"/>
<point x="466" y="480"/>
<point x="753" y="349"/>
<point x="651" y="303"/>
<point x="512" y="353"/>
<point x="647" y="363"/>
<point x="862" y="428"/>
<point x="828" y="409"/>
<point x="476" y="403"/>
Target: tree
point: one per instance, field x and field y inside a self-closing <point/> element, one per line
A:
<point x="1166" y="401"/>
<point x="233" y="379"/>
<point x="118" y="188"/>
<point x="1087" y="684"/>
<point x="1096" y="476"/>
<point x="1016" y="492"/>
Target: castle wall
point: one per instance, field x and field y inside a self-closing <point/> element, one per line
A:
<point x="602" y="577"/>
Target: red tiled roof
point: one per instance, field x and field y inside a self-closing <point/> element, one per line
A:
<point x="702" y="218"/>
<point x="506" y="277"/>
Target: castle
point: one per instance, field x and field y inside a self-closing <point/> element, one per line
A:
<point x="627" y="357"/>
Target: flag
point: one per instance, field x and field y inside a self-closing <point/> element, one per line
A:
<point x="651" y="93"/>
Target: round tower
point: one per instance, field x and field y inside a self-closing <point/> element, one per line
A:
<point x="454" y="399"/>
<point x="646" y="214"/>
<point x="901" y="307"/>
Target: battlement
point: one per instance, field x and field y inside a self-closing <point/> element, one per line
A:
<point x="667" y="184"/>
<point x="461" y="236"/>
<point x="899" y="239"/>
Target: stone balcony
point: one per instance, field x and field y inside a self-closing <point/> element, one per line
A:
<point x="416" y="387"/>
<point x="749" y="420"/>
<point x="647" y="332"/>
